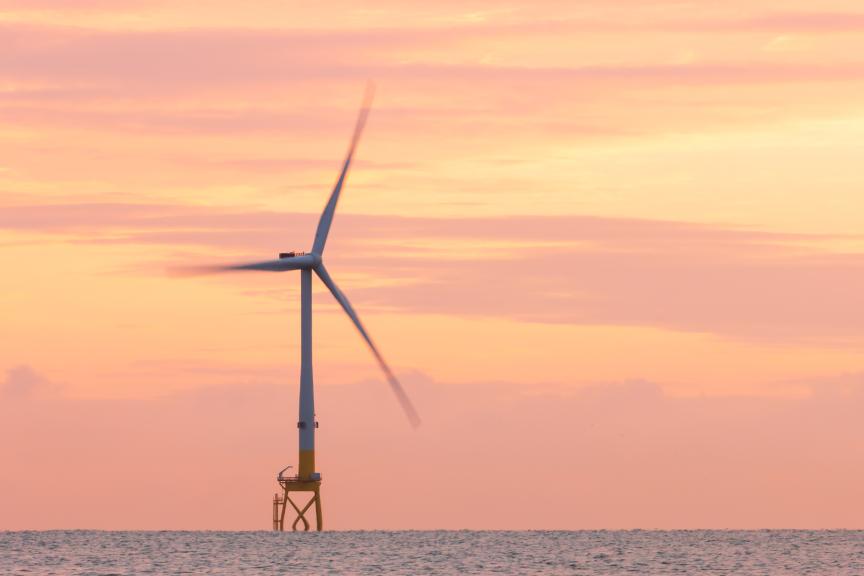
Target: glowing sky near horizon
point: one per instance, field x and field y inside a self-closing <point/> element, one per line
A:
<point x="561" y="204"/>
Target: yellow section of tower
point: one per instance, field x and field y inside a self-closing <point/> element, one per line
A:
<point x="307" y="464"/>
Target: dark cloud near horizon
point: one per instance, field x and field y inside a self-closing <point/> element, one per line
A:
<point x="22" y="381"/>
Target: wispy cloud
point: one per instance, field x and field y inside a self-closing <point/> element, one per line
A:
<point x="171" y="60"/>
<point x="577" y="270"/>
<point x="148" y="65"/>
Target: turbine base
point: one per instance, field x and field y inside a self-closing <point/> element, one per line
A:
<point x="282" y="502"/>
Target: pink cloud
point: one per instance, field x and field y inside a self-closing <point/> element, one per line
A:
<point x="229" y="79"/>
<point x="170" y="60"/>
<point x="613" y="456"/>
<point x="681" y="276"/>
<point x="778" y="22"/>
<point x="96" y="5"/>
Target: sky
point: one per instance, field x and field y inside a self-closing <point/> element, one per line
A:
<point x="613" y="251"/>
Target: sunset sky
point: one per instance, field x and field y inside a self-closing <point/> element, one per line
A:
<point x="614" y="251"/>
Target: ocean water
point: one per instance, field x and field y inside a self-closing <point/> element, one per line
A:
<point x="741" y="553"/>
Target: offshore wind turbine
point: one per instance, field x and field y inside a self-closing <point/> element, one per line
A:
<point x="307" y="478"/>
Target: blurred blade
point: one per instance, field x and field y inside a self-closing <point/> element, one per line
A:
<point x="280" y="265"/>
<point x="330" y="209"/>
<point x="404" y="401"/>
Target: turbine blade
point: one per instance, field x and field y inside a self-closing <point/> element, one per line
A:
<point x="280" y="265"/>
<point x="330" y="209"/>
<point x="401" y="396"/>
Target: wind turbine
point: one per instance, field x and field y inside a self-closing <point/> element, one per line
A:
<point x="307" y="479"/>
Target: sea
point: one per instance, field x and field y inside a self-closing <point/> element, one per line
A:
<point x="99" y="553"/>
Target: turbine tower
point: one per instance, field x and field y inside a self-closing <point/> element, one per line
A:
<point x="307" y="478"/>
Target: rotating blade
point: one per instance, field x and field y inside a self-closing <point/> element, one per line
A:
<point x="401" y="396"/>
<point x="280" y="265"/>
<point x="330" y="209"/>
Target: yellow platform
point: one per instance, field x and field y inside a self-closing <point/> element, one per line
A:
<point x="281" y="502"/>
